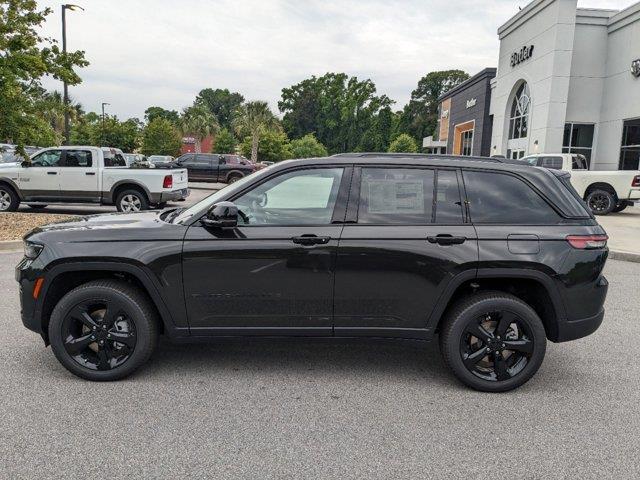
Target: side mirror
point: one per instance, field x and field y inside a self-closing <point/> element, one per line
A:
<point x="221" y="215"/>
<point x="25" y="164"/>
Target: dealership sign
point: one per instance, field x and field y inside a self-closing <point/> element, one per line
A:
<point x="525" y="53"/>
<point x="635" y="68"/>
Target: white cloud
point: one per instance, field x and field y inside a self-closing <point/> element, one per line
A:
<point x="162" y="52"/>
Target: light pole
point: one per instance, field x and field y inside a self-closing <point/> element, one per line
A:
<point x="66" y="7"/>
<point x="102" y="140"/>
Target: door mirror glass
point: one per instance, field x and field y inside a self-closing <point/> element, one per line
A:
<point x="221" y="215"/>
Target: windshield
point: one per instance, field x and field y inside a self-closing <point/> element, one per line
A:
<point x="204" y="204"/>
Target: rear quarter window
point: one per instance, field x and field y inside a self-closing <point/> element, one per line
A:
<point x="500" y="198"/>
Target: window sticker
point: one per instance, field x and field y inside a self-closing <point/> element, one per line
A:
<point x="396" y="196"/>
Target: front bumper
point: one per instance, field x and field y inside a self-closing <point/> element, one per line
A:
<point x="173" y="196"/>
<point x="26" y="277"/>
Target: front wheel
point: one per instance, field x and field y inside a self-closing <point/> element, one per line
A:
<point x="9" y="201"/>
<point x="103" y="330"/>
<point x="131" y="201"/>
<point x="493" y="342"/>
<point x="601" y="202"/>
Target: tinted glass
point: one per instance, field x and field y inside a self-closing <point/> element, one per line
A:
<point x="505" y="199"/>
<point x="77" y="158"/>
<point x="303" y="197"/>
<point x="50" y="158"/>
<point x="448" y="203"/>
<point x="552" y="162"/>
<point x="396" y="196"/>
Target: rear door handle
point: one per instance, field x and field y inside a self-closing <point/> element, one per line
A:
<point x="446" y="239"/>
<point x="89" y="173"/>
<point x="52" y="173"/>
<point x="310" y="239"/>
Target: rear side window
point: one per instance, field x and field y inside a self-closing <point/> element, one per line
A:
<point x="505" y="199"/>
<point x="552" y="162"/>
<point x="401" y="196"/>
<point x="448" y="202"/>
<point x="578" y="162"/>
<point x="77" y="158"/>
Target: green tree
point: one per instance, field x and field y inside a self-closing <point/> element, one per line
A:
<point x="90" y="130"/>
<point x="161" y="137"/>
<point x="225" y="142"/>
<point x="198" y="122"/>
<point x="254" y="119"/>
<point x="25" y="58"/>
<point x="420" y="115"/>
<point x="273" y="146"/>
<point x="337" y="108"/>
<point x="152" y="113"/>
<point x="403" y="144"/>
<point x="221" y="103"/>
<point x="307" y="147"/>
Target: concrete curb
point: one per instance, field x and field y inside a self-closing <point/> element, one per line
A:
<point x="624" y="256"/>
<point x="11" y="246"/>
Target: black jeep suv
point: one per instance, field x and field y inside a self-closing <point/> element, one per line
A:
<point x="493" y="257"/>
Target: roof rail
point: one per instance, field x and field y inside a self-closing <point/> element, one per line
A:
<point x="421" y="155"/>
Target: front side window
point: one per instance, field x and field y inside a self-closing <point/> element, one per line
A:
<point x="499" y="198"/>
<point x="578" y="138"/>
<point x="50" y="158"/>
<point x="630" y="148"/>
<point x="302" y="197"/>
<point x="396" y="196"/>
<point x="77" y="158"/>
<point x="519" y="119"/>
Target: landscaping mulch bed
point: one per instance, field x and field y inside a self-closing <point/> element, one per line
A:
<point x="13" y="225"/>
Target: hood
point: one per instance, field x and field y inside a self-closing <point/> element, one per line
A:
<point x="107" y="228"/>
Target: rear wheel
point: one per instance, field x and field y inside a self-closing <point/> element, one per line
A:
<point x="601" y="202"/>
<point x="103" y="330"/>
<point x="9" y="200"/>
<point x="493" y="342"/>
<point x="131" y="201"/>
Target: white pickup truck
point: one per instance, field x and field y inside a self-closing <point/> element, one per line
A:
<point x="77" y="174"/>
<point x="604" y="191"/>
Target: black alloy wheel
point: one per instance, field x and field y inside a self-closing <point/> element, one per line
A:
<point x="493" y="341"/>
<point x="601" y="202"/>
<point x="98" y="336"/>
<point x="103" y="330"/>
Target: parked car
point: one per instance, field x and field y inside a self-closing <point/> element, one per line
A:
<point x="78" y="174"/>
<point x="161" y="161"/>
<point x="604" y="191"/>
<point x="495" y="258"/>
<point x="213" y="167"/>
<point x="134" y="158"/>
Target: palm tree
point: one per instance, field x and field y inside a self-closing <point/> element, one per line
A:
<point x="198" y="121"/>
<point x="253" y="118"/>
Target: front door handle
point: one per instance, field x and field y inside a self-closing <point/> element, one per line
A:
<point x="446" y="239"/>
<point x="310" y="239"/>
<point x="89" y="173"/>
<point x="52" y="173"/>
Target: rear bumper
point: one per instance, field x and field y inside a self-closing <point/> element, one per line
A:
<point x="172" y="196"/>
<point x="634" y="194"/>
<point x="571" y="330"/>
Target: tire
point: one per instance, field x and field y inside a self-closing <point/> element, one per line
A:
<point x="128" y="303"/>
<point x="9" y="200"/>
<point x="620" y="207"/>
<point x="601" y="202"/>
<point x="475" y="362"/>
<point x="234" y="177"/>
<point x="131" y="200"/>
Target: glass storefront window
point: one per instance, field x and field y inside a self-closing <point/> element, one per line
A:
<point x="519" y="120"/>
<point x="630" y="148"/>
<point x="578" y="138"/>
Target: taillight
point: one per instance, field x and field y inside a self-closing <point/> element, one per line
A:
<point x="587" y="242"/>
<point x="168" y="181"/>
<point x="636" y="181"/>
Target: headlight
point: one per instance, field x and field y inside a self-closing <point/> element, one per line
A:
<point x="32" y="250"/>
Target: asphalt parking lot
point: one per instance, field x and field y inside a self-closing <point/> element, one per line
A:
<point x="303" y="409"/>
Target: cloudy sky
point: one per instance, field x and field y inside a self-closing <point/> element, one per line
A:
<point x="162" y="52"/>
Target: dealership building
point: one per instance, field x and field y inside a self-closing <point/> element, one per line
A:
<point x="568" y="80"/>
